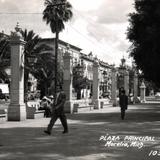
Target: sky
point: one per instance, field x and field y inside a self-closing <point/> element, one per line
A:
<point x="97" y="26"/>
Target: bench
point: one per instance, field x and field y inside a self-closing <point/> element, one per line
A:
<point x="33" y="112"/>
<point x="77" y="106"/>
<point x="90" y="106"/>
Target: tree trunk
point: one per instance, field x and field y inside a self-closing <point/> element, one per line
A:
<point x="56" y="58"/>
<point x="46" y="89"/>
<point x="56" y="55"/>
<point x="26" y="75"/>
<point x="79" y="94"/>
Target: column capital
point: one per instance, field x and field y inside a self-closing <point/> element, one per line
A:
<point x="96" y="62"/>
<point x="68" y="55"/>
<point x="126" y="73"/>
<point x="16" y="36"/>
<point x="114" y="69"/>
<point x="135" y="74"/>
<point x="17" y="41"/>
<point x="143" y="86"/>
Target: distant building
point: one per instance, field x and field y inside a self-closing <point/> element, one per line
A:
<point x="78" y="58"/>
<point x="87" y="61"/>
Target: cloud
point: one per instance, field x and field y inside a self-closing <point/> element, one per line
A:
<point x="113" y="11"/>
<point x="97" y="26"/>
<point x="86" y="5"/>
<point x="107" y="24"/>
<point x="29" y="21"/>
<point x="101" y="28"/>
<point x="21" y="6"/>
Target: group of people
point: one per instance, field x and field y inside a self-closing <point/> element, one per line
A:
<point x="56" y="109"/>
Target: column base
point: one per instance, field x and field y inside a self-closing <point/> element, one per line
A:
<point x="96" y="104"/>
<point x="136" y="100"/>
<point x="16" y="112"/>
<point x="68" y="107"/>
<point x="143" y="101"/>
<point x="114" y="102"/>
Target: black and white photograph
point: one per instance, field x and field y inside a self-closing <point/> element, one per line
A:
<point x="79" y="80"/>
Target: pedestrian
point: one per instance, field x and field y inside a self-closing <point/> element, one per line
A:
<point x="123" y="102"/>
<point x="58" y="112"/>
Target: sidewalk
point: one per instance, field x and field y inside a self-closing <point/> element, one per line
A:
<point x="26" y="140"/>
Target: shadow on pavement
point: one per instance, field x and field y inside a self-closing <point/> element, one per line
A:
<point x="82" y="142"/>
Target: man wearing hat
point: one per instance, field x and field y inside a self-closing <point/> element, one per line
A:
<point x="58" y="111"/>
<point x="123" y="103"/>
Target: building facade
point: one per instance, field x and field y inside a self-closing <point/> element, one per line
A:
<point x="85" y="60"/>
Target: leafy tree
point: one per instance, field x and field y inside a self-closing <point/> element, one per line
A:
<point x="55" y="14"/>
<point x="79" y="80"/>
<point x="4" y="58"/>
<point x="144" y="33"/>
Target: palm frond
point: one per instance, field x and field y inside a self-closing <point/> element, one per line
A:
<point x="53" y="14"/>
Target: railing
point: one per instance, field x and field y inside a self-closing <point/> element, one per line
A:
<point x="87" y="103"/>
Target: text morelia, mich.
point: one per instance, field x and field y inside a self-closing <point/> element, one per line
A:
<point x="137" y="144"/>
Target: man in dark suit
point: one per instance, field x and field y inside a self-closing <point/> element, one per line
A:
<point x="123" y="102"/>
<point x="58" y="112"/>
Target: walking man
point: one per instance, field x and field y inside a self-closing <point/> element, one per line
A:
<point x="58" y="112"/>
<point x="123" y="102"/>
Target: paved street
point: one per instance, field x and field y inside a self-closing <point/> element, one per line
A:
<point x="88" y="134"/>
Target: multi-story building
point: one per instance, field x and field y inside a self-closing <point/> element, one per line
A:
<point x="79" y="58"/>
<point x="85" y="60"/>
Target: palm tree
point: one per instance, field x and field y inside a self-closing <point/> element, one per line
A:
<point x="55" y="14"/>
<point x="43" y="70"/>
<point x="32" y="48"/>
<point x="31" y="40"/>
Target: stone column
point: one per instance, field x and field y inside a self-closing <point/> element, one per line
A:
<point x="135" y="87"/>
<point x="67" y="86"/>
<point x="126" y="82"/>
<point x="114" y="87"/>
<point x="17" y="108"/>
<point x="142" y="92"/>
<point x="96" y="85"/>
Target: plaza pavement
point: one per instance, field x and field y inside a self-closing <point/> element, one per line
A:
<point x="26" y="140"/>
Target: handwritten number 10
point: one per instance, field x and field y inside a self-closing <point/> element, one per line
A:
<point x="154" y="153"/>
